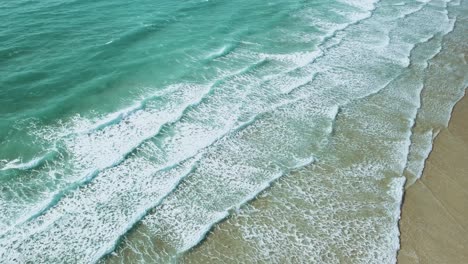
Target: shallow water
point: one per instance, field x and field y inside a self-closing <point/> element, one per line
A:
<point x="284" y="129"/>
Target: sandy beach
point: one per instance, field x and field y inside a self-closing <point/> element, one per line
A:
<point x="434" y="223"/>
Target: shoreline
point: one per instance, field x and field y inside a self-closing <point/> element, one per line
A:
<point x="434" y="213"/>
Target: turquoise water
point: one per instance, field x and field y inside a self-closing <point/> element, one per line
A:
<point x="218" y="131"/>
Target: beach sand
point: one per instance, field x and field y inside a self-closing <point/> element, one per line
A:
<point x="434" y="221"/>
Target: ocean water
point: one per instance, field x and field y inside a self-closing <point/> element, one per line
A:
<point x="219" y="131"/>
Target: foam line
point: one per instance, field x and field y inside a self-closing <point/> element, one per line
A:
<point x="33" y="163"/>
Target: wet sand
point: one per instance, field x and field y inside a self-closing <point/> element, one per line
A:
<point x="434" y="221"/>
